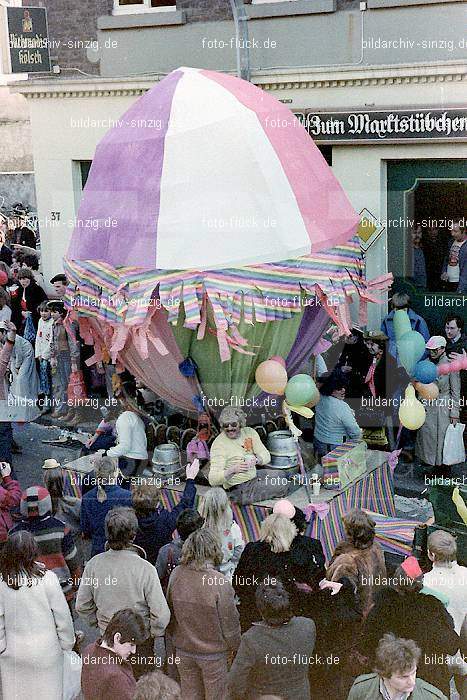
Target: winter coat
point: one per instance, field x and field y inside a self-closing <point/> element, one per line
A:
<point x="35" y="628"/>
<point x="34" y="295"/>
<point x="416" y="616"/>
<point x="25" y="381"/>
<point x="156" y="530"/>
<point x="462" y="286"/>
<point x="93" y="514"/>
<point x="417" y="322"/>
<point x="105" y="675"/>
<point x="367" y="688"/>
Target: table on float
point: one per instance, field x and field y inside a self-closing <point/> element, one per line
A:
<point x="373" y="492"/>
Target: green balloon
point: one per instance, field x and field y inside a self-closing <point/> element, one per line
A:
<point x="411" y="348"/>
<point x="401" y="323"/>
<point x="300" y="390"/>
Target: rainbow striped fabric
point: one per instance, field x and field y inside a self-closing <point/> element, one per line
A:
<point x="260" y="293"/>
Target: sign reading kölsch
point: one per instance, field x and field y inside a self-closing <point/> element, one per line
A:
<point x="28" y="41"/>
<point x="392" y="126"/>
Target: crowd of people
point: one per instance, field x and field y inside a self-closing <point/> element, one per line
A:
<point x="180" y="605"/>
<point x="439" y="263"/>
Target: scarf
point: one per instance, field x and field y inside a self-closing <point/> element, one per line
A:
<point x="370" y="377"/>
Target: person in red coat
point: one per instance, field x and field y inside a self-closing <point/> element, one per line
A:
<point x="106" y="673"/>
<point x="10" y="497"/>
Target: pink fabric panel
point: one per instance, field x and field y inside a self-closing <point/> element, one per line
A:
<point x="328" y="215"/>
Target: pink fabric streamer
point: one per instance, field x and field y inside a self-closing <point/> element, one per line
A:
<point x="321" y="510"/>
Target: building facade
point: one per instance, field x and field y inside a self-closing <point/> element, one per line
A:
<point x="381" y="86"/>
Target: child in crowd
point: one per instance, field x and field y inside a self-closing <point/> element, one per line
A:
<point x="218" y="516"/>
<point x="64" y="358"/>
<point x="43" y="350"/>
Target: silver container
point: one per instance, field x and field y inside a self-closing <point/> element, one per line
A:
<point x="166" y="461"/>
<point x="283" y="450"/>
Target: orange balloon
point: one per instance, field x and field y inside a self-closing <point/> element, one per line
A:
<point x="429" y="392"/>
<point x="271" y="377"/>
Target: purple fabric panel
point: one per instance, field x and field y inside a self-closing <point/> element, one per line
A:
<point x="117" y="218"/>
<point x="314" y="322"/>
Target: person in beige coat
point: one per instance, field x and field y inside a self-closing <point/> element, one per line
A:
<point x="439" y="412"/>
<point x="122" y="578"/>
<point x="35" y="624"/>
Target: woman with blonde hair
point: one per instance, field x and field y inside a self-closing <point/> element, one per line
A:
<point x="266" y="560"/>
<point x="204" y="625"/>
<point x="218" y="517"/>
<point x="99" y="500"/>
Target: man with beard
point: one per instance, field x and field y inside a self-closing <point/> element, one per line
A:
<point x="235" y="454"/>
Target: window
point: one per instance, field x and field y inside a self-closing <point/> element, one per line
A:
<point x="123" y="7"/>
<point x="84" y="167"/>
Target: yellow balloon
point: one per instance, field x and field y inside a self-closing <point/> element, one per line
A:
<point x="302" y="411"/>
<point x="412" y="413"/>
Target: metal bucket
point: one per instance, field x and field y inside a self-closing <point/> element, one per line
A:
<point x="166" y="461"/>
<point x="283" y="450"/>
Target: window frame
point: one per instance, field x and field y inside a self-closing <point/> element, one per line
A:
<point x="140" y="8"/>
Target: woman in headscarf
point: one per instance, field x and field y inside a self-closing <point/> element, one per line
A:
<point x="24" y="386"/>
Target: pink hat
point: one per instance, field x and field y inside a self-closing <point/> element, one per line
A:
<point x="284" y="507"/>
<point x="435" y="342"/>
<point x="3" y="278"/>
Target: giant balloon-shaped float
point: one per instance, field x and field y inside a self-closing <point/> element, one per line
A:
<point x="220" y="241"/>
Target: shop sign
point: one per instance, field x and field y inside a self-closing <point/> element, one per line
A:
<point x="396" y="125"/>
<point x="28" y="41"/>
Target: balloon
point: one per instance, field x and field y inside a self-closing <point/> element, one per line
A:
<point x="454" y="366"/>
<point x="279" y="359"/>
<point x="430" y="392"/>
<point x="412" y="413"/>
<point x="401" y="323"/>
<point x="425" y="372"/>
<point x="411" y="347"/>
<point x="271" y="377"/>
<point x="300" y="390"/>
<point x="302" y="411"/>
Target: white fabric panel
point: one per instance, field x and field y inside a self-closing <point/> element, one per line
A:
<point x="225" y="200"/>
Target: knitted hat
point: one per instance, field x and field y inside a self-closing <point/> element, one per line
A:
<point x="284" y="507"/>
<point x="35" y="502"/>
<point x="412" y="567"/>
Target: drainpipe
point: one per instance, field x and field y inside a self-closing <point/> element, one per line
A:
<point x="242" y="43"/>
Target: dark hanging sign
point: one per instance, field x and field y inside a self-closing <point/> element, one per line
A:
<point x="384" y="127"/>
<point x="28" y="40"/>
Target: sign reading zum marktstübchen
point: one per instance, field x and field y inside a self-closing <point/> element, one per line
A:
<point x="28" y="41"/>
<point x="385" y="126"/>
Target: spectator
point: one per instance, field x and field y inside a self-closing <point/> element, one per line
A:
<point x="402" y="301"/>
<point x="5" y="309"/>
<point x="449" y="578"/>
<point x="30" y="296"/>
<point x="334" y="419"/>
<point x="59" y="283"/>
<point x="217" y="514"/>
<point x="204" y="627"/>
<point x="395" y="674"/>
<point x="131" y="447"/>
<point x="35" y="624"/>
<point x="64" y="359"/>
<point x="6" y="254"/>
<point x="31" y="262"/>
<point x="106" y="672"/>
<point x="121" y="578"/>
<point x="454" y="331"/>
<point x="455" y="264"/>
<point x="439" y="412"/>
<point x="10" y="497"/>
<point x="21" y="234"/>
<point x="24" y="387"/>
<point x="359" y="558"/>
<point x="418" y="258"/>
<point x="155" y="524"/>
<point x="188" y="521"/>
<point x="156" y="686"/>
<point x="43" y="350"/>
<point x="279" y="635"/>
<point x="7" y="343"/>
<point x="352" y="362"/>
<point x="97" y="502"/>
<point x="269" y="557"/>
<point x="57" y="550"/>
<point x="65" y="508"/>
<point x="402" y="609"/>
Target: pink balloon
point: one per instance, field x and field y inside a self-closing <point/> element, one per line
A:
<point x="454" y="366"/>
<point x="279" y="359"/>
<point x="443" y="369"/>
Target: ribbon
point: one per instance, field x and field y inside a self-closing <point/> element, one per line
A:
<point x="321" y="510"/>
<point x="118" y="341"/>
<point x="370" y="378"/>
<point x="296" y="432"/>
<point x="393" y="459"/>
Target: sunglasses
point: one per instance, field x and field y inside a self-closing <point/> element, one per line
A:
<point x="230" y="425"/>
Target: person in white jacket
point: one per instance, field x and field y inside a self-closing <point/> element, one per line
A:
<point x="43" y="350"/>
<point x="131" y="447"/>
<point x="35" y="624"/>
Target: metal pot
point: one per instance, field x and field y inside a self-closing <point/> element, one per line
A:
<point x="283" y="449"/>
<point x="166" y="461"/>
